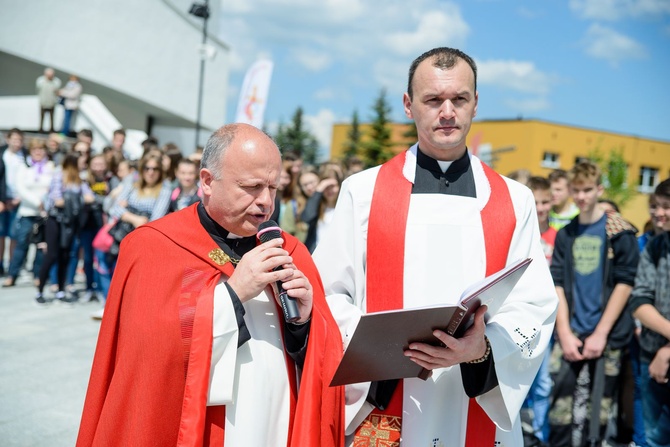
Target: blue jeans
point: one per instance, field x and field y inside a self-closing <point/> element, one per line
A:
<point x="23" y="227"/>
<point x="84" y="239"/>
<point x="104" y="272"/>
<point x="539" y="398"/>
<point x="53" y="274"/>
<point x="638" y="413"/>
<point x="67" y="121"/>
<point x="656" y="406"/>
<point x="7" y="219"/>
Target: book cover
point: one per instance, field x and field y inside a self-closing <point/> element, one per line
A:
<point x="375" y="351"/>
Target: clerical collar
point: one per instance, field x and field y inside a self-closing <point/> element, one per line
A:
<point x="229" y="242"/>
<point x="457" y="166"/>
<point x="444" y="165"/>
<point x="457" y="179"/>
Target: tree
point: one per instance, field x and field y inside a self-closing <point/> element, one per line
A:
<point x="377" y="149"/>
<point x="615" y="176"/>
<point x="281" y="138"/>
<point x="353" y="142"/>
<point x="411" y="133"/>
<point x="295" y="138"/>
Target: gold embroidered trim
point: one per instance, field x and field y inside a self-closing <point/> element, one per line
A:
<point x="220" y="257"/>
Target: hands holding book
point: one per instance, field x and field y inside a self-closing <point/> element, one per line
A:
<point x="420" y="339"/>
<point x="470" y="347"/>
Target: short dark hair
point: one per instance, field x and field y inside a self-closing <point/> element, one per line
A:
<point x="14" y="130"/>
<point x="558" y="174"/>
<point x="663" y="189"/>
<point x="120" y="132"/>
<point x="290" y="156"/>
<point x="187" y="161"/>
<point x="444" y="58"/>
<point x="538" y="183"/>
<point x="86" y="133"/>
<point x="149" y="141"/>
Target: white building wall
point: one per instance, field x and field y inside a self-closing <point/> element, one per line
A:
<point x="142" y="48"/>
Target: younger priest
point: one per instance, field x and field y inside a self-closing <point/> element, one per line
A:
<point x="416" y="232"/>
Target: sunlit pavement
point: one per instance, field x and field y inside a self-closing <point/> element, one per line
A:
<point x="45" y="362"/>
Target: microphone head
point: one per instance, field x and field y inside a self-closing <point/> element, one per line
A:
<point x="268" y="230"/>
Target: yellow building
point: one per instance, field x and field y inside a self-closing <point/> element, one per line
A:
<point x="540" y="147"/>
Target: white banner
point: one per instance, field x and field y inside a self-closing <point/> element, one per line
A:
<point x="254" y="94"/>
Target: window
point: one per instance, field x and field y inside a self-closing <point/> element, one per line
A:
<point x="648" y="179"/>
<point x="550" y="160"/>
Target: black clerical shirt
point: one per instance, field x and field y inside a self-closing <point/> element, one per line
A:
<point x="295" y="336"/>
<point x="458" y="179"/>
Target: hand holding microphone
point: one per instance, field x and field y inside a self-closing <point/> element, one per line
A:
<point x="268" y="263"/>
<point x="257" y="269"/>
<point x="268" y="231"/>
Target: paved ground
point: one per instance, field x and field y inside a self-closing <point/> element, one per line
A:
<point x="45" y="362"/>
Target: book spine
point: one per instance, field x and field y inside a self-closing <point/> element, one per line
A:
<point x="456" y="319"/>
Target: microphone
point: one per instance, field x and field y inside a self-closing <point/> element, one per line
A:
<point x="266" y="232"/>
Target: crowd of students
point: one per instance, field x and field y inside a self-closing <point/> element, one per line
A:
<point x="58" y="197"/>
<point x="613" y="323"/>
<point x="307" y="196"/>
<point x="607" y="374"/>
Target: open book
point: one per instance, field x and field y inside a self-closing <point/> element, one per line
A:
<point x="375" y="351"/>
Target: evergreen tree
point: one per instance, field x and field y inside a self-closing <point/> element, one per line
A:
<point x="310" y="150"/>
<point x="411" y="134"/>
<point x="353" y="142"/>
<point x="377" y="149"/>
<point x="280" y="138"/>
<point x="295" y="138"/>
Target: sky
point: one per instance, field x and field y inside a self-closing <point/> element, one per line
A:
<point x="598" y="64"/>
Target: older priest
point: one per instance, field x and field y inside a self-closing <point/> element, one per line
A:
<point x="193" y="349"/>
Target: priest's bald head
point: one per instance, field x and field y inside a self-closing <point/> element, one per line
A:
<point x="239" y="176"/>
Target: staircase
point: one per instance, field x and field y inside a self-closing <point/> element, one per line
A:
<point x="23" y="112"/>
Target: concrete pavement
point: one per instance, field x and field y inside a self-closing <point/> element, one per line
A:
<point x="45" y="362"/>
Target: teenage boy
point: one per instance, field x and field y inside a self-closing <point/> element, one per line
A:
<point x="563" y="210"/>
<point x="593" y="267"/>
<point x="541" y="189"/>
<point x="650" y="303"/>
<point x="187" y="192"/>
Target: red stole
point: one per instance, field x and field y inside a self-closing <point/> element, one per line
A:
<point x="385" y="272"/>
<point x="196" y="306"/>
<point x="195" y="316"/>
